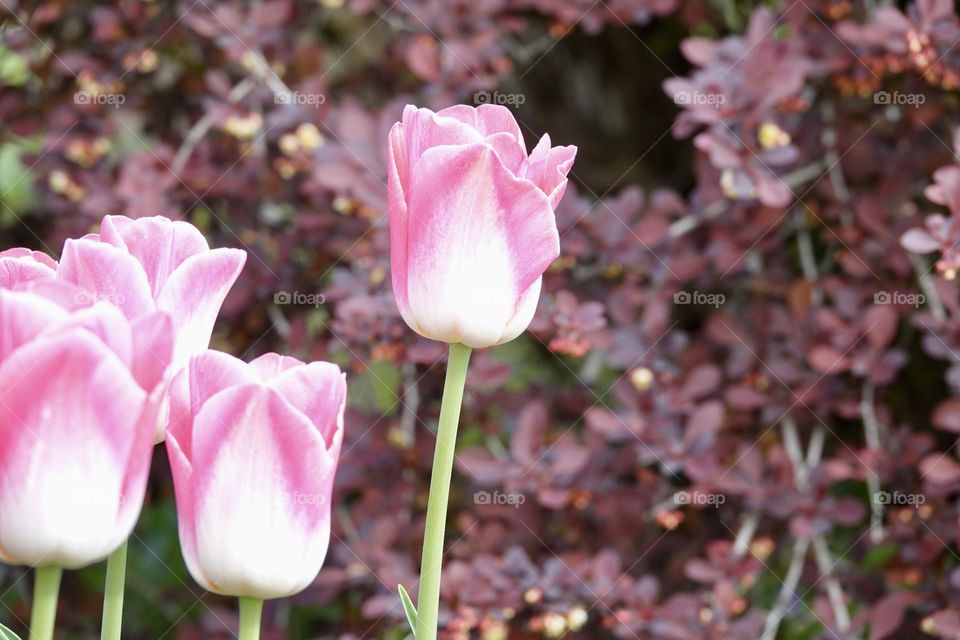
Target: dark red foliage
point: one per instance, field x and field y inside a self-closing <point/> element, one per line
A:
<point x="747" y="378"/>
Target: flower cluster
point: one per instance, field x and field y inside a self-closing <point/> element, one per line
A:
<point x="106" y="348"/>
<point x="734" y="412"/>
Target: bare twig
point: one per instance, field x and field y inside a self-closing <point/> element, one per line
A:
<point x="834" y="591"/>
<point x="791" y="443"/>
<point x="832" y="156"/>
<point x="808" y="261"/>
<point x="871" y="432"/>
<point x="929" y="290"/>
<point x="745" y="534"/>
<point x="803" y="464"/>
<point x="788" y="591"/>
<point x="202" y="126"/>
<point x="690" y="222"/>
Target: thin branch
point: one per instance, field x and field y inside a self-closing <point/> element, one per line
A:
<point x="745" y="534"/>
<point x="929" y="289"/>
<point x="834" y="591"/>
<point x="871" y="434"/>
<point x="833" y="156"/>
<point x="202" y="126"/>
<point x="788" y="591"/>
<point x="691" y="221"/>
<point x="808" y="261"/>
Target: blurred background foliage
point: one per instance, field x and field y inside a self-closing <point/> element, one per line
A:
<point x="746" y="171"/>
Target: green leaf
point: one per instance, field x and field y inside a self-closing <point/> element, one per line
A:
<point x="379" y="386"/>
<point x="16" y="184"/>
<point x="14" y="69"/>
<point x="409" y="609"/>
<point x="6" y="634"/>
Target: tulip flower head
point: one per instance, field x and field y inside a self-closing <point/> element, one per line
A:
<point x="472" y="224"/>
<point x="79" y="395"/>
<point x="253" y="449"/>
<point x="156" y="263"/>
<point x="152" y="264"/>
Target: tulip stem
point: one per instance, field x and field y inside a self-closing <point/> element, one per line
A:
<point x="428" y="604"/>
<point x="46" y="588"/>
<point x="113" y="594"/>
<point x="250" y="611"/>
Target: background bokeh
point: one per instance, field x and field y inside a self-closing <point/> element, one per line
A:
<point x="734" y="414"/>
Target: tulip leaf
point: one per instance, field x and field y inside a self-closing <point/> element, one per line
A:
<point x="409" y="609"/>
<point x="6" y="634"/>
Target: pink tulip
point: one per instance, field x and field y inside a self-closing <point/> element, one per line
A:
<point x="153" y="264"/>
<point x="79" y="394"/>
<point x="472" y="225"/>
<point x="19" y="265"/>
<point x="253" y="449"/>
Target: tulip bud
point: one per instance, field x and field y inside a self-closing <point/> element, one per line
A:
<point x="472" y="225"/>
<point x="152" y="264"/>
<point x="253" y="449"/>
<point x="79" y="392"/>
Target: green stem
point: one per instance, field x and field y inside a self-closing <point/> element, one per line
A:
<point x="428" y="604"/>
<point x="46" y="588"/>
<point x="113" y="594"/>
<point x="250" y="611"/>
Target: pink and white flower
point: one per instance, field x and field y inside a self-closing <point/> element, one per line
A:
<point x="151" y="264"/>
<point x="472" y="225"/>
<point x="254" y="449"/>
<point x="80" y="387"/>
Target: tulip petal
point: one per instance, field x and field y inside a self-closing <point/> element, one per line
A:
<point x="397" y="173"/>
<point x="20" y="265"/>
<point x="319" y="391"/>
<point x="270" y="365"/>
<point x="548" y="167"/>
<point x="182" y="472"/>
<point x="23" y="316"/>
<point x="424" y="129"/>
<point x="478" y="237"/>
<point x="498" y="127"/>
<point x="526" y="308"/>
<point x="68" y="425"/>
<point x="193" y="295"/>
<point x="261" y="479"/>
<point x="107" y="323"/>
<point x="159" y="244"/>
<point x="204" y="376"/>
<point x="107" y="273"/>
<point x="488" y="119"/>
<point x="152" y="349"/>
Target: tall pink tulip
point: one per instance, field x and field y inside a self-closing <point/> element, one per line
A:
<point x="79" y="389"/>
<point x="472" y="230"/>
<point x="253" y="449"/>
<point x="472" y="225"/>
<point x="152" y="264"/>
